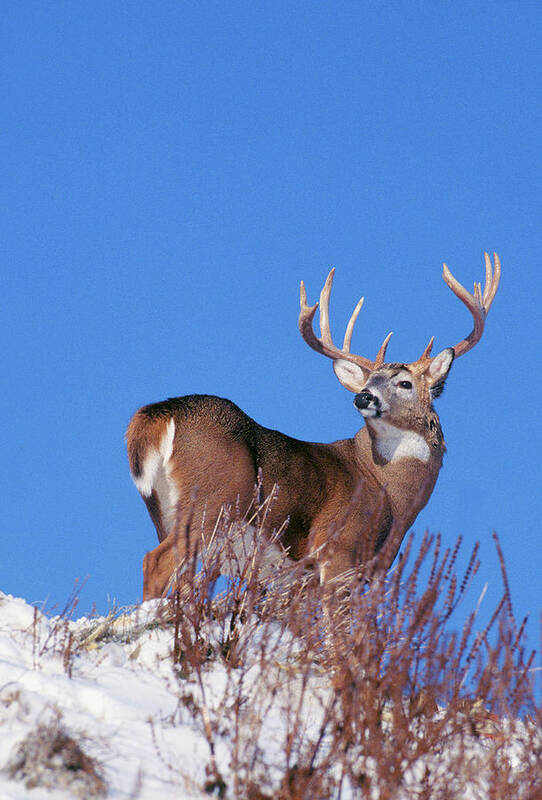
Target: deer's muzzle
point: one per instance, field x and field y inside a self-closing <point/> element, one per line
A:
<point x="368" y="404"/>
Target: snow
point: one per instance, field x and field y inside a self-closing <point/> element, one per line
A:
<point x="112" y="685"/>
<point x="124" y="699"/>
<point x="113" y="695"/>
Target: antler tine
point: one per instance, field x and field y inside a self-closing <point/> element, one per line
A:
<point x="427" y="352"/>
<point x="477" y="303"/>
<point x="420" y="365"/>
<point x="489" y="274"/>
<point x="324" y="309"/>
<point x="381" y="355"/>
<point x="350" y="327"/>
<point x="325" y="345"/>
<point x="492" y="280"/>
<point x="306" y="316"/>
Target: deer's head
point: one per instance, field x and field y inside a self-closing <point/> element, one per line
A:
<point x="400" y="394"/>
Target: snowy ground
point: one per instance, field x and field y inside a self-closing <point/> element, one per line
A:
<point x="121" y="699"/>
<point x="114" y="692"/>
<point x="112" y="687"/>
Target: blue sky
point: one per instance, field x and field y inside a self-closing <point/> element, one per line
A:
<point x="170" y="171"/>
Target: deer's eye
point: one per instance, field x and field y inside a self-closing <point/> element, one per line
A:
<point x="405" y="384"/>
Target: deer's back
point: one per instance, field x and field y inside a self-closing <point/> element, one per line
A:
<point x="218" y="450"/>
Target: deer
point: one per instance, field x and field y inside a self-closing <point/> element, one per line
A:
<point x="203" y="453"/>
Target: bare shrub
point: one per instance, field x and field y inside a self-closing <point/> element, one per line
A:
<point x="359" y="688"/>
<point x="53" y="634"/>
<point x="51" y="758"/>
<point x="56" y="633"/>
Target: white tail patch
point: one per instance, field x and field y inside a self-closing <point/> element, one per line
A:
<point x="156" y="476"/>
<point x="154" y="460"/>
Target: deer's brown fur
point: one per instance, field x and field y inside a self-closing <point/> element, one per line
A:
<point x="198" y="453"/>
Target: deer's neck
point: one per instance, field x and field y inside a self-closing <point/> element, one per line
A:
<point x="405" y="463"/>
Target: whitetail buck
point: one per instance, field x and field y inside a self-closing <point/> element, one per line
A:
<point x="374" y="484"/>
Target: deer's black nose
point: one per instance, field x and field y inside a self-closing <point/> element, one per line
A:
<point x="364" y="400"/>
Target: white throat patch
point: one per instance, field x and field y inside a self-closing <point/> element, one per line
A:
<point x="395" y="443"/>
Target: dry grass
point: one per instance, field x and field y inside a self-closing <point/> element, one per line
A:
<point x="51" y="758"/>
<point x="359" y="689"/>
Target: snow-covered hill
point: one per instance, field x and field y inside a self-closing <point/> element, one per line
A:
<point x="111" y="687"/>
<point x="170" y="701"/>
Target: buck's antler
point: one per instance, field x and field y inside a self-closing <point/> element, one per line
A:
<point x="477" y="303"/>
<point x="324" y="344"/>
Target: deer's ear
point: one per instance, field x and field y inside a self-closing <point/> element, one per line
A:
<point x="438" y="371"/>
<point x="350" y="375"/>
